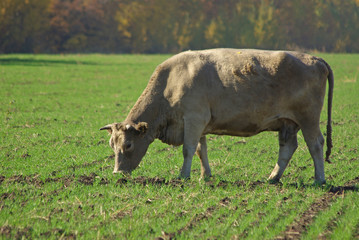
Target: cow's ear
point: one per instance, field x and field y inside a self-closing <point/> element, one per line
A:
<point x="142" y="127"/>
<point x="108" y="127"/>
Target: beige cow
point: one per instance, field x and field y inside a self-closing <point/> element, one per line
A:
<point x="237" y="92"/>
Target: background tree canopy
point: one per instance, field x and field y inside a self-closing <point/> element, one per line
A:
<point x="162" y="26"/>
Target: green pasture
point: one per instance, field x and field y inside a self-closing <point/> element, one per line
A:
<point x="56" y="178"/>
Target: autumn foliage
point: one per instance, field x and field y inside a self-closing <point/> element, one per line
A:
<point x="159" y="26"/>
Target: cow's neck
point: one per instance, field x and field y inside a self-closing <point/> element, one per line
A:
<point x="151" y="109"/>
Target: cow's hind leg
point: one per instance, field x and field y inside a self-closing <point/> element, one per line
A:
<point x="315" y="141"/>
<point x="202" y="154"/>
<point x="287" y="146"/>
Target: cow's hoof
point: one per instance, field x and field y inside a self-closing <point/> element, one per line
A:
<point x="205" y="178"/>
<point x="274" y="181"/>
<point x="125" y="174"/>
<point x="183" y="177"/>
<point x="319" y="182"/>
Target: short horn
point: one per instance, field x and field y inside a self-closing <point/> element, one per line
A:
<point x="108" y="128"/>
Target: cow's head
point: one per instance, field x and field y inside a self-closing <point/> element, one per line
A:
<point x="129" y="142"/>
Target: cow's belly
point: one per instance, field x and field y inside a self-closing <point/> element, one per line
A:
<point x="244" y="128"/>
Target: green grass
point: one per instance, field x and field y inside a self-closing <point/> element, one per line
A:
<point x="56" y="176"/>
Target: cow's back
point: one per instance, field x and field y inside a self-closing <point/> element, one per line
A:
<point x="244" y="91"/>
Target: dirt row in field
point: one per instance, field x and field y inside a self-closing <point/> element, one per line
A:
<point x="89" y="179"/>
<point x="299" y="226"/>
<point x="66" y="180"/>
<point x="180" y="183"/>
<point x="21" y="233"/>
<point x="25" y="233"/>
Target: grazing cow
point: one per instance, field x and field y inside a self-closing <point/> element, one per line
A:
<point x="237" y="92"/>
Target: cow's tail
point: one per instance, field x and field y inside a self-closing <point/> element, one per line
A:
<point x="329" y="123"/>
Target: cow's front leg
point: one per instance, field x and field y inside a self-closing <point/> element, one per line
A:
<point x="188" y="152"/>
<point x="192" y="134"/>
<point x="202" y="154"/>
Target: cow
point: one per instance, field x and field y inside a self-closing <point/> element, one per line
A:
<point x="236" y="92"/>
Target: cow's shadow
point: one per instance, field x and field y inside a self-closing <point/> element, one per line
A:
<point x="351" y="187"/>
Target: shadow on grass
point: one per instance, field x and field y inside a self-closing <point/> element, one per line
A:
<point x="41" y="62"/>
<point x="351" y="186"/>
<point x="341" y="189"/>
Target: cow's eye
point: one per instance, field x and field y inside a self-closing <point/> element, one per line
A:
<point x="128" y="147"/>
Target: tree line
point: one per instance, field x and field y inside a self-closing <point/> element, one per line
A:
<point x="162" y="26"/>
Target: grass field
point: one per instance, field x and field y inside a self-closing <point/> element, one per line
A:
<point x="56" y="176"/>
